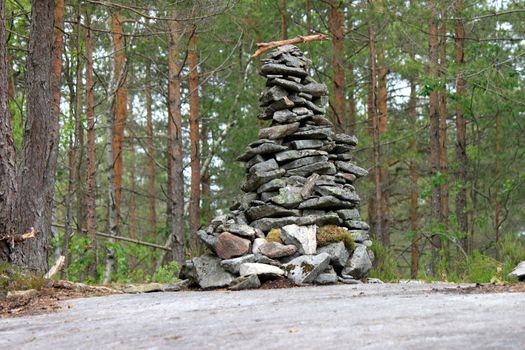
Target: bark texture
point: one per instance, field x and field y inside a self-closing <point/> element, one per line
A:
<point x="121" y="104"/>
<point x="336" y="28"/>
<point x="175" y="154"/>
<point x="434" y="119"/>
<point x="36" y="176"/>
<point x="461" y="125"/>
<point x="195" y="190"/>
<point x="8" y="184"/>
<point x="91" y="219"/>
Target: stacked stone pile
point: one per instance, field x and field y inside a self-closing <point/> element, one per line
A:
<point x="298" y="215"/>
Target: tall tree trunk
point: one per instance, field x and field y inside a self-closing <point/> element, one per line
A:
<point x="461" y="125"/>
<point x="58" y="47"/>
<point x="414" y="194"/>
<point x="115" y="133"/>
<point x="175" y="150"/>
<point x="91" y="219"/>
<point x="497" y="205"/>
<point x="73" y="153"/>
<point x="39" y="153"/>
<point x="121" y="103"/>
<point x="205" y="179"/>
<point x="442" y="96"/>
<point x="133" y="196"/>
<point x="193" y="62"/>
<point x="434" y="124"/>
<point x="373" y="122"/>
<point x="284" y="19"/>
<point x="336" y="28"/>
<point x="8" y="182"/>
<point x="151" y="157"/>
<point x="382" y="121"/>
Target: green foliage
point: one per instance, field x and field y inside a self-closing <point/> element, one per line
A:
<point x="512" y="251"/>
<point x="482" y="268"/>
<point x="12" y="277"/>
<point x="332" y="233"/>
<point x="385" y="264"/>
<point x="167" y="273"/>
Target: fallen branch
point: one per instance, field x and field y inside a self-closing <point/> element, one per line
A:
<point x="56" y="267"/>
<point x="31" y="233"/>
<point x="263" y="47"/>
<point x="81" y="287"/>
<point x="120" y="238"/>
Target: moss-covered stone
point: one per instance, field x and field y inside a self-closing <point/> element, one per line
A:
<point x="274" y="235"/>
<point x="332" y="233"/>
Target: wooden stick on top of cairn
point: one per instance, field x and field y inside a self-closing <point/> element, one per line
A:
<point x="298" y="217"/>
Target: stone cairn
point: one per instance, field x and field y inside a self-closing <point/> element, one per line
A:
<point x="298" y="216"/>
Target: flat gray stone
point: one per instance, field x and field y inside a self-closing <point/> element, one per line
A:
<point x="254" y="160"/>
<point x="349" y="280"/>
<point x="284" y="103"/>
<point x="359" y="236"/>
<point x="307" y="170"/>
<point x="266" y="224"/>
<point x="285" y="83"/>
<point x="233" y="265"/>
<point x="278" y="131"/>
<point x="303" y="237"/>
<point x="272" y="185"/>
<point x="313" y="132"/>
<point x="349" y="167"/>
<point x="305" y="269"/>
<point x="267" y="165"/>
<point x="305" y="144"/>
<point x="320" y="120"/>
<point x="297" y="154"/>
<point x="276" y="250"/>
<point x="245" y="282"/>
<point x="359" y="264"/>
<point x="330" y="218"/>
<point x="338" y="253"/>
<point x="260" y="270"/>
<point x="263" y="259"/>
<point x="209" y="272"/>
<point x="315" y="89"/>
<point x="356" y="225"/>
<point x="349" y="214"/>
<point x="304" y="161"/>
<point x="288" y="197"/>
<point x="259" y="178"/>
<point x="273" y="68"/>
<point x="264" y="148"/>
<point x="270" y="211"/>
<point x="272" y="94"/>
<point x="209" y="240"/>
<point x="338" y="192"/>
<point x="326" y="277"/>
<point x="325" y="202"/>
<point x="346" y="139"/>
<point x="242" y="230"/>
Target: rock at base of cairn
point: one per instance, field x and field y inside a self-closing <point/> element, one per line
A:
<point x="300" y="176"/>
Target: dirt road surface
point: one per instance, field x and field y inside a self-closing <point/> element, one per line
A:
<point x="373" y="316"/>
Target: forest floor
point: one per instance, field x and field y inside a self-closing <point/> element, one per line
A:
<point x="411" y="315"/>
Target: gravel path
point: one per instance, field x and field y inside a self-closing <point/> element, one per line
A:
<point x="389" y="316"/>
